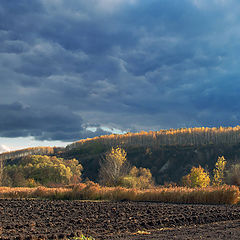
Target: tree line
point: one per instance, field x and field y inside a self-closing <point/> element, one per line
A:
<point x="199" y="177"/>
<point x="43" y="170"/>
<point x="36" y="170"/>
<point x="183" y="137"/>
<point x="155" y="139"/>
<point x="29" y="151"/>
<point x="115" y="170"/>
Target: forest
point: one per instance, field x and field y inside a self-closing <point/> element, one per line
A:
<point x="172" y="137"/>
<point x="168" y="154"/>
<point x="155" y="139"/>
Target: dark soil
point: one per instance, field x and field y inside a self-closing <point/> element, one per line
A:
<point x="44" y="219"/>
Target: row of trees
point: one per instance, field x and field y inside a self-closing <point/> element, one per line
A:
<point x="183" y="136"/>
<point x="199" y="177"/>
<point x="37" y="170"/>
<point x="29" y="151"/>
<point x="114" y="170"/>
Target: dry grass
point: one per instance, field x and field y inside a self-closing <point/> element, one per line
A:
<point x="39" y="192"/>
<point x="209" y="195"/>
<point x="92" y="191"/>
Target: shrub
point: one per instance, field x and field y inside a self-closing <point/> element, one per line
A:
<point x="137" y="178"/>
<point x="31" y="183"/>
<point x="198" y="177"/>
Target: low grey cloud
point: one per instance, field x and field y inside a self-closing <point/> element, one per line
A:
<point x="130" y="65"/>
<point x="4" y="148"/>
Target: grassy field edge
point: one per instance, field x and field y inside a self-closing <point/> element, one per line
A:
<point x="92" y="191"/>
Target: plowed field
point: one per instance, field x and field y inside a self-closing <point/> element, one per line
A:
<point x="44" y="219"/>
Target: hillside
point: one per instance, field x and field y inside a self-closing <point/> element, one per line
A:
<point x="29" y="151"/>
<point x="168" y="163"/>
<point x="169" y="154"/>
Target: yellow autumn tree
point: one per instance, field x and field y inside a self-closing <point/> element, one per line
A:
<point x="113" y="166"/>
<point x="198" y="177"/>
<point x="218" y="172"/>
<point x="138" y="178"/>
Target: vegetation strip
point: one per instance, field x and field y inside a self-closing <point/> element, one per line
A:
<point x="93" y="191"/>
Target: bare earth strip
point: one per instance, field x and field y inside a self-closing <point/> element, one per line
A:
<point x="39" y="219"/>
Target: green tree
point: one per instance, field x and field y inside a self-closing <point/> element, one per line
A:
<point x="218" y="172"/>
<point x="76" y="169"/>
<point x="44" y="170"/>
<point x="13" y="176"/>
<point x="198" y="177"/>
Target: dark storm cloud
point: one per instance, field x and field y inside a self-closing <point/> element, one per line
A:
<point x="44" y="124"/>
<point x="131" y="65"/>
<point x="18" y="120"/>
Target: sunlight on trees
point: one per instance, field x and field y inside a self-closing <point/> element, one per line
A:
<point x="116" y="171"/>
<point x="113" y="166"/>
<point x="198" y="177"/>
<point x="218" y="172"/>
<point x="42" y="170"/>
<point x="183" y="136"/>
<point x="138" y="178"/>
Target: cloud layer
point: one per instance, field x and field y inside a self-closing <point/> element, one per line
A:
<point x="4" y="148"/>
<point x="68" y="66"/>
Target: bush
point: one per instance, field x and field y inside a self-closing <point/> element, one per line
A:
<point x="137" y="178"/>
<point x="31" y="183"/>
<point x="115" y="171"/>
<point x="196" y="178"/>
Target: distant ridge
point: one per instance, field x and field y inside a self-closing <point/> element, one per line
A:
<point x="156" y="139"/>
<point x="179" y="137"/>
<point x="29" y="151"/>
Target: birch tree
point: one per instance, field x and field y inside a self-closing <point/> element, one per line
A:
<point x="113" y="166"/>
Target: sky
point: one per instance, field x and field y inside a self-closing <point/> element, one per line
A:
<point x="76" y="69"/>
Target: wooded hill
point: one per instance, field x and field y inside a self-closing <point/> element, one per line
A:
<point x="169" y="154"/>
<point x="29" y="151"/>
<point x="172" y="137"/>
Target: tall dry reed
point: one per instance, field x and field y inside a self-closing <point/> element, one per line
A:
<point x="92" y="191"/>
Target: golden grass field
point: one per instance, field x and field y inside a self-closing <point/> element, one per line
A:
<point x="92" y="191"/>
